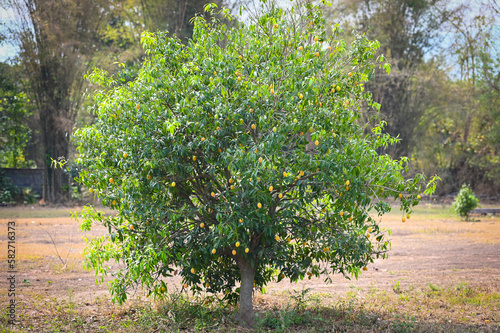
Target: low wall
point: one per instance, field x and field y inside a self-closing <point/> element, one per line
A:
<point x="21" y="178"/>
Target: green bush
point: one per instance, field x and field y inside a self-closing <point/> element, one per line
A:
<point x="240" y="158"/>
<point x="465" y="202"/>
<point x="8" y="192"/>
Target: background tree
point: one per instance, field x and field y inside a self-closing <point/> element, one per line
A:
<point x="238" y="159"/>
<point x="56" y="41"/>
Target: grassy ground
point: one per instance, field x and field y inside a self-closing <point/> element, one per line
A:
<point x="416" y="290"/>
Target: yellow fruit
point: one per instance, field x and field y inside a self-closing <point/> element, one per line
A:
<point x="260" y="159"/>
<point x="365" y="268"/>
<point x="125" y="155"/>
<point x="253" y="126"/>
<point x="148" y="177"/>
<point x="270" y="188"/>
<point x="277" y="238"/>
<point x="113" y="202"/>
<point x="272" y="91"/>
<point x="230" y="180"/>
<point x="212" y="194"/>
<point x="202" y="225"/>
<point x="215" y="73"/>
<point x="288" y="239"/>
<point x="301" y="96"/>
<point x="350" y="218"/>
<point x="259" y="205"/>
<point x="326" y="249"/>
<point x="185" y="285"/>
<point x="338" y="88"/>
<point x="370" y="229"/>
<point x="111" y="181"/>
<point x="131" y="227"/>
<point x="275" y="26"/>
<point x="349" y="74"/>
<point x="192" y="270"/>
<point x="400" y="196"/>
<point x="408" y="216"/>
<point x="280" y="196"/>
<point x="213" y="251"/>
<point x="163" y="289"/>
<point x="194" y="158"/>
<point x="302" y="173"/>
<point x="173" y="184"/>
<point x="368" y="235"/>
<point x="304" y="244"/>
<point x="317" y="54"/>
<point x="347" y="188"/>
<point x="91" y="190"/>
<point x="137" y="106"/>
<point x="247" y="250"/>
<point x="403" y="219"/>
<point x="241" y="57"/>
<point x="419" y="197"/>
<point x="346" y="102"/>
<point x="232" y="187"/>
<point x="333" y="90"/>
<point x="241" y="220"/>
<point x="207" y="285"/>
<point x="274" y="129"/>
<point x="347" y="183"/>
<point x="234" y="252"/>
<point x="341" y="213"/>
<point x="202" y="139"/>
<point x="316" y="39"/>
<point x="300" y="48"/>
<point x="329" y="48"/>
<point x="241" y="121"/>
<point x="316" y="142"/>
<point x="237" y="244"/>
<point x="239" y="78"/>
<point x="284" y="174"/>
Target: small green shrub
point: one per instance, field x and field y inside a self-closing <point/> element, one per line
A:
<point x="8" y="192"/>
<point x="465" y="202"/>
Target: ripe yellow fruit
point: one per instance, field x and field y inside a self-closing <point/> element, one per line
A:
<point x="347" y="183"/>
<point x="232" y="187"/>
<point x="346" y="102"/>
<point x="408" y="216"/>
<point x="239" y="78"/>
<point x="350" y="218"/>
<point x="215" y="73"/>
<point x="202" y="139"/>
<point x="148" y="177"/>
<point x="270" y="188"/>
<point x="241" y="220"/>
<point x="329" y="48"/>
<point x="317" y="54"/>
<point x="125" y="155"/>
<point x="277" y="238"/>
<point x="302" y="173"/>
<point x="207" y="285"/>
<point x="131" y="227"/>
<point x="365" y="268"/>
<point x="272" y="91"/>
<point x="338" y="88"/>
<point x="137" y="106"/>
<point x="301" y="96"/>
<point x="316" y="142"/>
<point x="275" y="26"/>
<point x="234" y="252"/>
<point x="231" y="180"/>
<point x="213" y="251"/>
<point x="280" y="195"/>
<point x="419" y="197"/>
<point x="349" y="74"/>
<point x="333" y="90"/>
<point x="403" y="219"/>
<point x="247" y="250"/>
<point x="370" y="229"/>
<point x="237" y="244"/>
<point x="192" y="270"/>
<point x="288" y="239"/>
<point x="316" y="39"/>
<point x="194" y="158"/>
<point x="341" y="213"/>
<point x="260" y="159"/>
<point x="400" y="196"/>
<point x="259" y="205"/>
<point x="173" y="184"/>
<point x="241" y="121"/>
<point x="111" y="181"/>
<point x="326" y="249"/>
<point x="241" y="57"/>
<point x="300" y="48"/>
<point x="202" y="225"/>
<point x="113" y="202"/>
<point x="253" y="126"/>
<point x="274" y="129"/>
<point x="212" y="194"/>
<point x="284" y="174"/>
<point x="91" y="190"/>
<point x="163" y="289"/>
<point x="185" y="285"/>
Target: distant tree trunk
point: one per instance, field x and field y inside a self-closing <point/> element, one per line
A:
<point x="246" y="314"/>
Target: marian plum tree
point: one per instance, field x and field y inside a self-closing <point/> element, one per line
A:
<point x="238" y="159"/>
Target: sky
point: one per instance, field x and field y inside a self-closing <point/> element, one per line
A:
<point x="7" y="50"/>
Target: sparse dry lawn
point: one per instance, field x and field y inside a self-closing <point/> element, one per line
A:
<point x="442" y="275"/>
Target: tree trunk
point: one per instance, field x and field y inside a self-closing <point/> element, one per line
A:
<point x="246" y="313"/>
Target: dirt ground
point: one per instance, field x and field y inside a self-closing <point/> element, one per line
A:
<point x="430" y="248"/>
